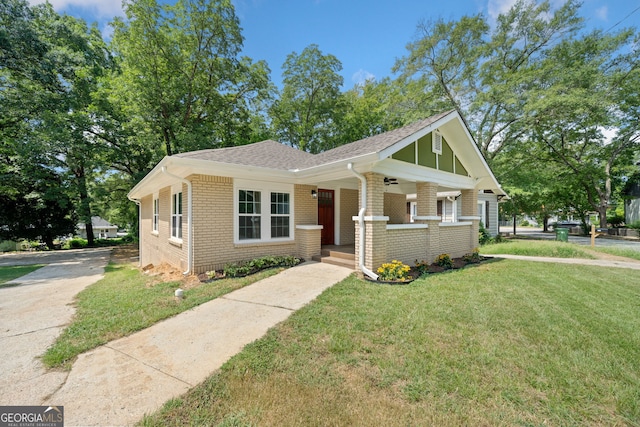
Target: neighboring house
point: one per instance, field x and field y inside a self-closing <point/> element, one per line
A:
<point x="203" y="209"/>
<point x="102" y="229"/>
<point x="632" y="202"/>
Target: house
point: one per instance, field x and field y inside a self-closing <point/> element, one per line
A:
<point x="102" y="229"/>
<point x="631" y="194"/>
<point x="201" y="210"/>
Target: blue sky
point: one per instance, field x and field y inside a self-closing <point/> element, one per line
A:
<point x="367" y="36"/>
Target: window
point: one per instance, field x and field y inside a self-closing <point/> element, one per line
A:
<point x="156" y="214"/>
<point x="279" y="215"/>
<point x="176" y="216"/>
<point x="436" y="143"/>
<point x="255" y="222"/>
<point x="482" y="212"/>
<point x="249" y="215"/>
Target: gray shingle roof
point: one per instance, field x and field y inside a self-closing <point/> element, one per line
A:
<point x="267" y="154"/>
<point x="377" y="143"/>
<point x="274" y="155"/>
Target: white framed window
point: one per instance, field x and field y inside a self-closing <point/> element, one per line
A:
<point x="263" y="212"/>
<point x="156" y="214"/>
<point x="482" y="211"/>
<point x="280" y="211"/>
<point x="249" y="214"/>
<point x="176" y="215"/>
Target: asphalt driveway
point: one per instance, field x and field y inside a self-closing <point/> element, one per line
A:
<point x="32" y="315"/>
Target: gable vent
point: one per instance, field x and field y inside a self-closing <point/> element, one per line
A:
<point x="436" y="142"/>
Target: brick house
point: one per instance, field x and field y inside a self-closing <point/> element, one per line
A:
<point x="378" y="196"/>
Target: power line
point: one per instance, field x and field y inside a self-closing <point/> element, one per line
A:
<point x="626" y="17"/>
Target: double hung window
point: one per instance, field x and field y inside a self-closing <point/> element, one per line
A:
<point x="176" y="216"/>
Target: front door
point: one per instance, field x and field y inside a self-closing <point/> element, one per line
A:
<point x="325" y="215"/>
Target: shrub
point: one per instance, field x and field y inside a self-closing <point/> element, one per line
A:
<point x="77" y="243"/>
<point x="484" y="237"/>
<point x="393" y="271"/>
<point x="422" y="267"/>
<point x="444" y="260"/>
<point x="525" y="223"/>
<point x="244" y="268"/>
<point x="472" y="257"/>
<point x="615" y="220"/>
<point x="635" y="225"/>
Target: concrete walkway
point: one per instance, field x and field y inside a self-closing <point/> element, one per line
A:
<point x="634" y="265"/>
<point x="118" y="383"/>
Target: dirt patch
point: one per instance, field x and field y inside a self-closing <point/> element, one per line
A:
<point x="125" y="254"/>
<point x="129" y="254"/>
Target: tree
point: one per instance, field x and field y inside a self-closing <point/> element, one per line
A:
<point x="582" y="85"/>
<point x="486" y="74"/>
<point x="183" y="85"/>
<point x="307" y="114"/>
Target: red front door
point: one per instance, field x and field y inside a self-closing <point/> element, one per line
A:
<point x="325" y="215"/>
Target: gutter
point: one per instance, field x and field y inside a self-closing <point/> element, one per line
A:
<point x="137" y="202"/>
<point x="189" y="218"/>
<point x="361" y="242"/>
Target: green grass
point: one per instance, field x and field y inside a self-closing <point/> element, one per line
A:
<point x="542" y="248"/>
<point x="15" y="271"/>
<point x="125" y="301"/>
<point x="503" y="343"/>
<point x="623" y="252"/>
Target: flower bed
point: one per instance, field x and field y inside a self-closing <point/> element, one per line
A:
<point x="443" y="263"/>
<point x="246" y="268"/>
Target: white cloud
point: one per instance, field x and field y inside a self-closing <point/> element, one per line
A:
<point x="603" y="13"/>
<point x="361" y="76"/>
<point x="499" y="7"/>
<point x="98" y="9"/>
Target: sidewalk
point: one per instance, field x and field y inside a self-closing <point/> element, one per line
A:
<point x="118" y="383"/>
<point x="595" y="262"/>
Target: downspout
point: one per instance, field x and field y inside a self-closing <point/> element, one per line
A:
<point x="189" y="218"/>
<point x="363" y="209"/>
<point x="137" y="202"/>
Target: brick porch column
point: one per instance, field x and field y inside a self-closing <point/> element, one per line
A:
<point x="375" y="252"/>
<point x="427" y="209"/>
<point x="470" y="213"/>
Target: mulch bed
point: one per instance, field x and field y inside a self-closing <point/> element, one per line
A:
<point x="414" y="274"/>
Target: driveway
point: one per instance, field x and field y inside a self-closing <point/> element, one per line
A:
<point x="34" y="312"/>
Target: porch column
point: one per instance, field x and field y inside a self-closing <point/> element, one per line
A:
<point x="375" y="252"/>
<point x="470" y="213"/>
<point x="427" y="207"/>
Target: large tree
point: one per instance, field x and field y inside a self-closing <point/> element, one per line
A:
<point x="307" y="113"/>
<point x="485" y="73"/>
<point x="184" y="85"/>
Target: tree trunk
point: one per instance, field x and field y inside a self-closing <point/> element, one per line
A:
<point x="85" y="204"/>
<point x="545" y="223"/>
<point x="514" y="223"/>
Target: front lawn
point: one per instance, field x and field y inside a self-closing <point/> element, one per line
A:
<point x="503" y="343"/>
<point x="126" y="301"/>
<point x="15" y="271"/>
<point x="543" y="248"/>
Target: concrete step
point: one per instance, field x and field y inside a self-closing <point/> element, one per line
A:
<point x="336" y="254"/>
<point x="342" y="262"/>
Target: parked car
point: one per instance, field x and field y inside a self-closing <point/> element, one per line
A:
<point x="566" y="224"/>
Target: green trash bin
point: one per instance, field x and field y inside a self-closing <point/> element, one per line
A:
<point x="562" y="234"/>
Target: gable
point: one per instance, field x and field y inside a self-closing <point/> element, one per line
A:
<point x="422" y="153"/>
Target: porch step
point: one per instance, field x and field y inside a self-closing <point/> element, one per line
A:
<point x="336" y="260"/>
<point x="338" y="254"/>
